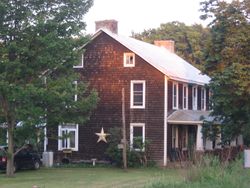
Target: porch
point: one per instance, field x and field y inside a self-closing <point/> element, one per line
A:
<point x="185" y="135"/>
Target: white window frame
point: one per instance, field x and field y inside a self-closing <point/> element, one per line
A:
<point x="194" y="97"/>
<point x="125" y="55"/>
<point x="132" y="125"/>
<point x="81" y="65"/>
<point x="175" y="97"/>
<point x="185" y="88"/>
<point x="143" y="82"/>
<point x="203" y="98"/>
<point x="75" y="129"/>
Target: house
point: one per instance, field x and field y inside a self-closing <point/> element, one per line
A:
<point x="166" y="98"/>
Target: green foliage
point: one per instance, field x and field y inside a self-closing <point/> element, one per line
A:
<point x="135" y="158"/>
<point x="40" y="43"/>
<point x="2" y="136"/>
<point x="209" y="172"/>
<point x="112" y="151"/>
<point x="228" y="63"/>
<point x="189" y="40"/>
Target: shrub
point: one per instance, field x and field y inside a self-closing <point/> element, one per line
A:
<point x="209" y="172"/>
<point x="134" y="158"/>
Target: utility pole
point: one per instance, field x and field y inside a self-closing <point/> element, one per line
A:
<point x="124" y="152"/>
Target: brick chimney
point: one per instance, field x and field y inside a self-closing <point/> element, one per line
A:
<point x="168" y="44"/>
<point x="111" y="25"/>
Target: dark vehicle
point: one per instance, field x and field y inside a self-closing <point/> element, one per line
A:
<point x="26" y="158"/>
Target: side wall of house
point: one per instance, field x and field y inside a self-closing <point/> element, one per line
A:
<point x="104" y="70"/>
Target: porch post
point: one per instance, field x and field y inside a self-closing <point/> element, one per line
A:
<point x="199" y="139"/>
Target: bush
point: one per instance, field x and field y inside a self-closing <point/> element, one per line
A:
<point x="134" y="158"/>
<point x="210" y="173"/>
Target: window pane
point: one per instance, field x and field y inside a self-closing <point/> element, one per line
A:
<point x="64" y="139"/>
<point x="69" y="126"/>
<point x="138" y="94"/>
<point x="174" y="89"/>
<point x="138" y="100"/>
<point x="129" y="59"/>
<point x="137" y="137"/>
<point x="138" y="87"/>
<point x="137" y="131"/>
<point x="174" y="101"/>
<point x="72" y="139"/>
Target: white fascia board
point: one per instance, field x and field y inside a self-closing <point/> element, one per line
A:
<point x="185" y="122"/>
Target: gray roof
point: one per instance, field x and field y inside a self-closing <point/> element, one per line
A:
<point x="166" y="62"/>
<point x="189" y="117"/>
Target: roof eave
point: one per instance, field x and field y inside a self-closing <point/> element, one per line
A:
<point x="185" y="122"/>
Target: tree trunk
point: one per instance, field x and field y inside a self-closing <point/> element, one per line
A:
<point x="10" y="156"/>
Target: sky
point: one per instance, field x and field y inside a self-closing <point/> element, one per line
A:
<point x="139" y="15"/>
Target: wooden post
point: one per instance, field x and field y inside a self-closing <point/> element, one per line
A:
<point x="124" y="152"/>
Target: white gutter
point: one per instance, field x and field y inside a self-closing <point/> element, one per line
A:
<point x="185" y="122"/>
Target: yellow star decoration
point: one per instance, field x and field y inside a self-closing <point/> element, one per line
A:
<point x="102" y="136"/>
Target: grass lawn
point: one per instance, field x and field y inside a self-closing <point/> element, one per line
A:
<point x="209" y="174"/>
<point x="88" y="177"/>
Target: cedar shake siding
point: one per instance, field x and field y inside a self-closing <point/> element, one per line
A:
<point x="207" y="99"/>
<point x="190" y="100"/>
<point x="180" y="96"/>
<point x="199" y="98"/>
<point x="170" y="97"/>
<point x="104" y="70"/>
<point x="108" y="76"/>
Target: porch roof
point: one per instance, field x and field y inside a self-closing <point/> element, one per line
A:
<point x="188" y="117"/>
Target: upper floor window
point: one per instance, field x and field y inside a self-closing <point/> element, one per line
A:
<point x="137" y="94"/>
<point x="185" y="97"/>
<point x="81" y="62"/>
<point x="137" y="136"/>
<point x="194" y="97"/>
<point x="203" y="98"/>
<point x="68" y="137"/>
<point x="175" y="95"/>
<point x="128" y="59"/>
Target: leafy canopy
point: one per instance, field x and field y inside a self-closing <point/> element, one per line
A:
<point x="39" y="44"/>
<point x="228" y="63"/>
<point x="189" y="40"/>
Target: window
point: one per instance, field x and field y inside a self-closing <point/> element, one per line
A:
<point x="203" y="98"/>
<point x="75" y="96"/>
<point x="129" y="60"/>
<point x="81" y="62"/>
<point x="137" y="136"/>
<point x="194" y="97"/>
<point x="137" y="94"/>
<point x="175" y="95"/>
<point x="174" y="136"/>
<point x="184" y="137"/>
<point x="185" y="97"/>
<point x="68" y="137"/>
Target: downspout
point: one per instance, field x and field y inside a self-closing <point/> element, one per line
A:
<point x="165" y="120"/>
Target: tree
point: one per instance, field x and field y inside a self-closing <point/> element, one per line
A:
<point x="228" y="64"/>
<point x="189" y="40"/>
<point x="39" y="45"/>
